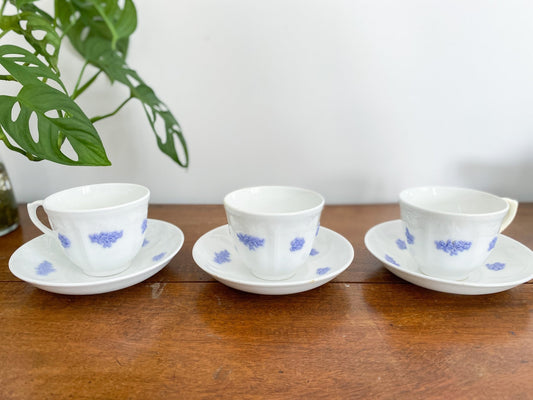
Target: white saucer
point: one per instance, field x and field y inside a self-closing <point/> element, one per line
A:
<point x="510" y="263"/>
<point x="215" y="254"/>
<point x="42" y="263"/>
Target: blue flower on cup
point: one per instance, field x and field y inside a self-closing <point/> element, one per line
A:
<point x="492" y="243"/>
<point x="252" y="242"/>
<point x="65" y="241"/>
<point x="453" y="247"/>
<point x="106" y="239"/>
<point x="410" y="238"/>
<point x="297" y="244"/>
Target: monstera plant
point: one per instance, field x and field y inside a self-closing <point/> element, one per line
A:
<point x="42" y="120"/>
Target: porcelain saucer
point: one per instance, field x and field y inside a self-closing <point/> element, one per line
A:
<point x="510" y="263"/>
<point x="215" y="253"/>
<point x="42" y="263"/>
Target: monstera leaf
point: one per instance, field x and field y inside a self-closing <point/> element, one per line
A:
<point x="59" y="118"/>
<point x="100" y="35"/>
<point x="99" y="31"/>
<point x="31" y="22"/>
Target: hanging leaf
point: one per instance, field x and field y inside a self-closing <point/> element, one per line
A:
<point x="58" y="117"/>
<point x="115" y="68"/>
<point x="97" y="50"/>
<point x="38" y="28"/>
<point x="99" y="31"/>
<point x="84" y="20"/>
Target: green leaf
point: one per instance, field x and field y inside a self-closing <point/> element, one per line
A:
<point x="100" y="55"/>
<point x="154" y="109"/>
<point x="102" y="19"/>
<point x="171" y="135"/>
<point x="26" y="67"/>
<point x="38" y="28"/>
<point x="120" y="22"/>
<point x="71" y="122"/>
<point x="58" y="117"/>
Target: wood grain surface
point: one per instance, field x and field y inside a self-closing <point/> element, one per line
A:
<point x="180" y="334"/>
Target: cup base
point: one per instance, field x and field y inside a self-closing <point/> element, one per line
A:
<point x="107" y="272"/>
<point x="458" y="278"/>
<point x="273" y="278"/>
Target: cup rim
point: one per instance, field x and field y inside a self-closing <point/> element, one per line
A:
<point x="309" y="210"/>
<point x="403" y="199"/>
<point x="145" y="195"/>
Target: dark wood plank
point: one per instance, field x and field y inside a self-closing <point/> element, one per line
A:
<point x="204" y="340"/>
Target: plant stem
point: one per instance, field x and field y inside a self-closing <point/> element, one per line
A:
<point x="8" y="144"/>
<point x="78" y="82"/>
<point x="85" y="86"/>
<point x="98" y="118"/>
<point x="7" y="78"/>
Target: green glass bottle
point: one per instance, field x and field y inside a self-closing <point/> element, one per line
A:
<point x="9" y="217"/>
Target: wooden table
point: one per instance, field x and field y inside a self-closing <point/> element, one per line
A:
<point x="180" y="334"/>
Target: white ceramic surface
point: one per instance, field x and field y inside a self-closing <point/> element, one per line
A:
<point x="214" y="252"/>
<point x="41" y="263"/>
<point x="509" y="265"/>
<point x="273" y="227"/>
<point x="450" y="231"/>
<point x="100" y="227"/>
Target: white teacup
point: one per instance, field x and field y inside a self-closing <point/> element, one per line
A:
<point x="100" y="227"/>
<point x="451" y="231"/>
<point x="273" y="228"/>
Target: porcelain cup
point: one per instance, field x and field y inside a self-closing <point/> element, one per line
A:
<point x="99" y="227"/>
<point x="450" y="231"/>
<point x="273" y="228"/>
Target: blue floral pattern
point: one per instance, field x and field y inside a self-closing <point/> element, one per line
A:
<point x="497" y="266"/>
<point x="159" y="256"/>
<point x="314" y="252"/>
<point x="144" y="225"/>
<point x="252" y="242"/>
<point x="401" y="244"/>
<point x="297" y="244"/>
<point x="45" y="268"/>
<point x="222" y="257"/>
<point x="410" y="238"/>
<point x="322" y="271"/>
<point x="453" y="247"/>
<point x="106" y="239"/>
<point x="492" y="243"/>
<point x="391" y="260"/>
<point x="65" y="241"/>
<point x="145" y="242"/>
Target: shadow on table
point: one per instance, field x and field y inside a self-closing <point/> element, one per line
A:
<point x="309" y="315"/>
<point x="408" y="312"/>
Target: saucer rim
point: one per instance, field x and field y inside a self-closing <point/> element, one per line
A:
<point x="463" y="283"/>
<point x="99" y="280"/>
<point x="281" y="284"/>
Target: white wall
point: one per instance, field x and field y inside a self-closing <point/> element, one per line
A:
<point x="356" y="99"/>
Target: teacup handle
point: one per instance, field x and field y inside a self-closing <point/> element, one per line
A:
<point x="513" y="207"/>
<point x="32" y="212"/>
